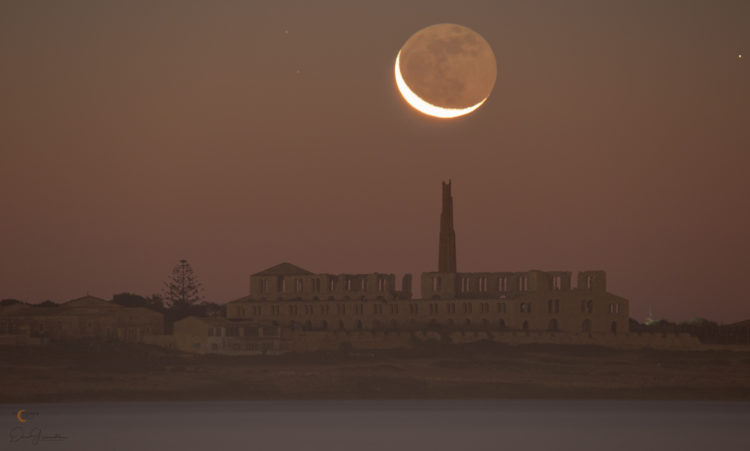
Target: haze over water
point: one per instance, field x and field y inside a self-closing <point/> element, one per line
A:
<point x="393" y="425"/>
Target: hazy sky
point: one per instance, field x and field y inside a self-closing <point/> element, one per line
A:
<point x="238" y="135"/>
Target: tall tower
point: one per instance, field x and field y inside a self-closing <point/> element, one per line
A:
<point x="447" y="255"/>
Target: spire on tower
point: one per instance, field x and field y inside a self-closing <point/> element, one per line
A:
<point x="447" y="249"/>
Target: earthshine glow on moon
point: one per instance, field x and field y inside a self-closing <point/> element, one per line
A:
<point x="445" y="70"/>
<point x="425" y="107"/>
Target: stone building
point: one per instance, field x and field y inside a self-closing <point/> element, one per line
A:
<point x="215" y="335"/>
<point x="86" y="317"/>
<point x="287" y="282"/>
<point x="289" y="296"/>
<point x="532" y="300"/>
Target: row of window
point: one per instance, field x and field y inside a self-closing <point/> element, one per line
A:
<point x="236" y="331"/>
<point x="501" y="283"/>
<point x="315" y="284"/>
<point x="107" y="331"/>
<point x="61" y="326"/>
<point x="551" y="325"/>
<point x="341" y="309"/>
<point x="553" y="306"/>
<point x="393" y="324"/>
<point x="465" y="285"/>
<point x="238" y="346"/>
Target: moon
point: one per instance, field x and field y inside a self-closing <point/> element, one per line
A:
<point x="445" y="71"/>
<point x="19" y="415"/>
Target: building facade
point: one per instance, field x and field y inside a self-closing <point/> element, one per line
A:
<point x="86" y="317"/>
<point x="288" y="296"/>
<point x="216" y="335"/>
<point x="287" y="282"/>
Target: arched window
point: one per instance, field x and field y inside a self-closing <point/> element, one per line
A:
<point x="613" y="327"/>
<point x="586" y="326"/>
<point x="525" y="325"/>
<point x="552" y="324"/>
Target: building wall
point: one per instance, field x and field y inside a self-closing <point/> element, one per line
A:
<point x="218" y="336"/>
<point x="493" y="285"/>
<point x="569" y="311"/>
<point x="310" y="341"/>
<point x="123" y="326"/>
<point x="325" y="287"/>
<point x="99" y="319"/>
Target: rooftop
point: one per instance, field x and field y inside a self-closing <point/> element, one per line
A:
<point x="284" y="269"/>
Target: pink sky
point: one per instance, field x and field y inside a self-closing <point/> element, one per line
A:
<point x="240" y="136"/>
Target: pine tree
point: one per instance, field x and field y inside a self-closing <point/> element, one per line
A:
<point x="182" y="287"/>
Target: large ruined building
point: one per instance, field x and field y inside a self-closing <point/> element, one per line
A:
<point x="289" y="296"/>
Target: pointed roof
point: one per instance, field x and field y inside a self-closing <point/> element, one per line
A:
<point x="88" y="301"/>
<point x="242" y="299"/>
<point x="284" y="269"/>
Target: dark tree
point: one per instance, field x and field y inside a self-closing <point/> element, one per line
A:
<point x="134" y="300"/>
<point x="130" y="300"/>
<point x="6" y="302"/>
<point x="47" y="303"/>
<point x="182" y="288"/>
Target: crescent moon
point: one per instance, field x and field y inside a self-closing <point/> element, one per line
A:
<point x="18" y="415"/>
<point x="422" y="105"/>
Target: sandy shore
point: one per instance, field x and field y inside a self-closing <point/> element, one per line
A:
<point x="119" y="372"/>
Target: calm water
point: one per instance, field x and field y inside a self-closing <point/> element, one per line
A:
<point x="382" y="425"/>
